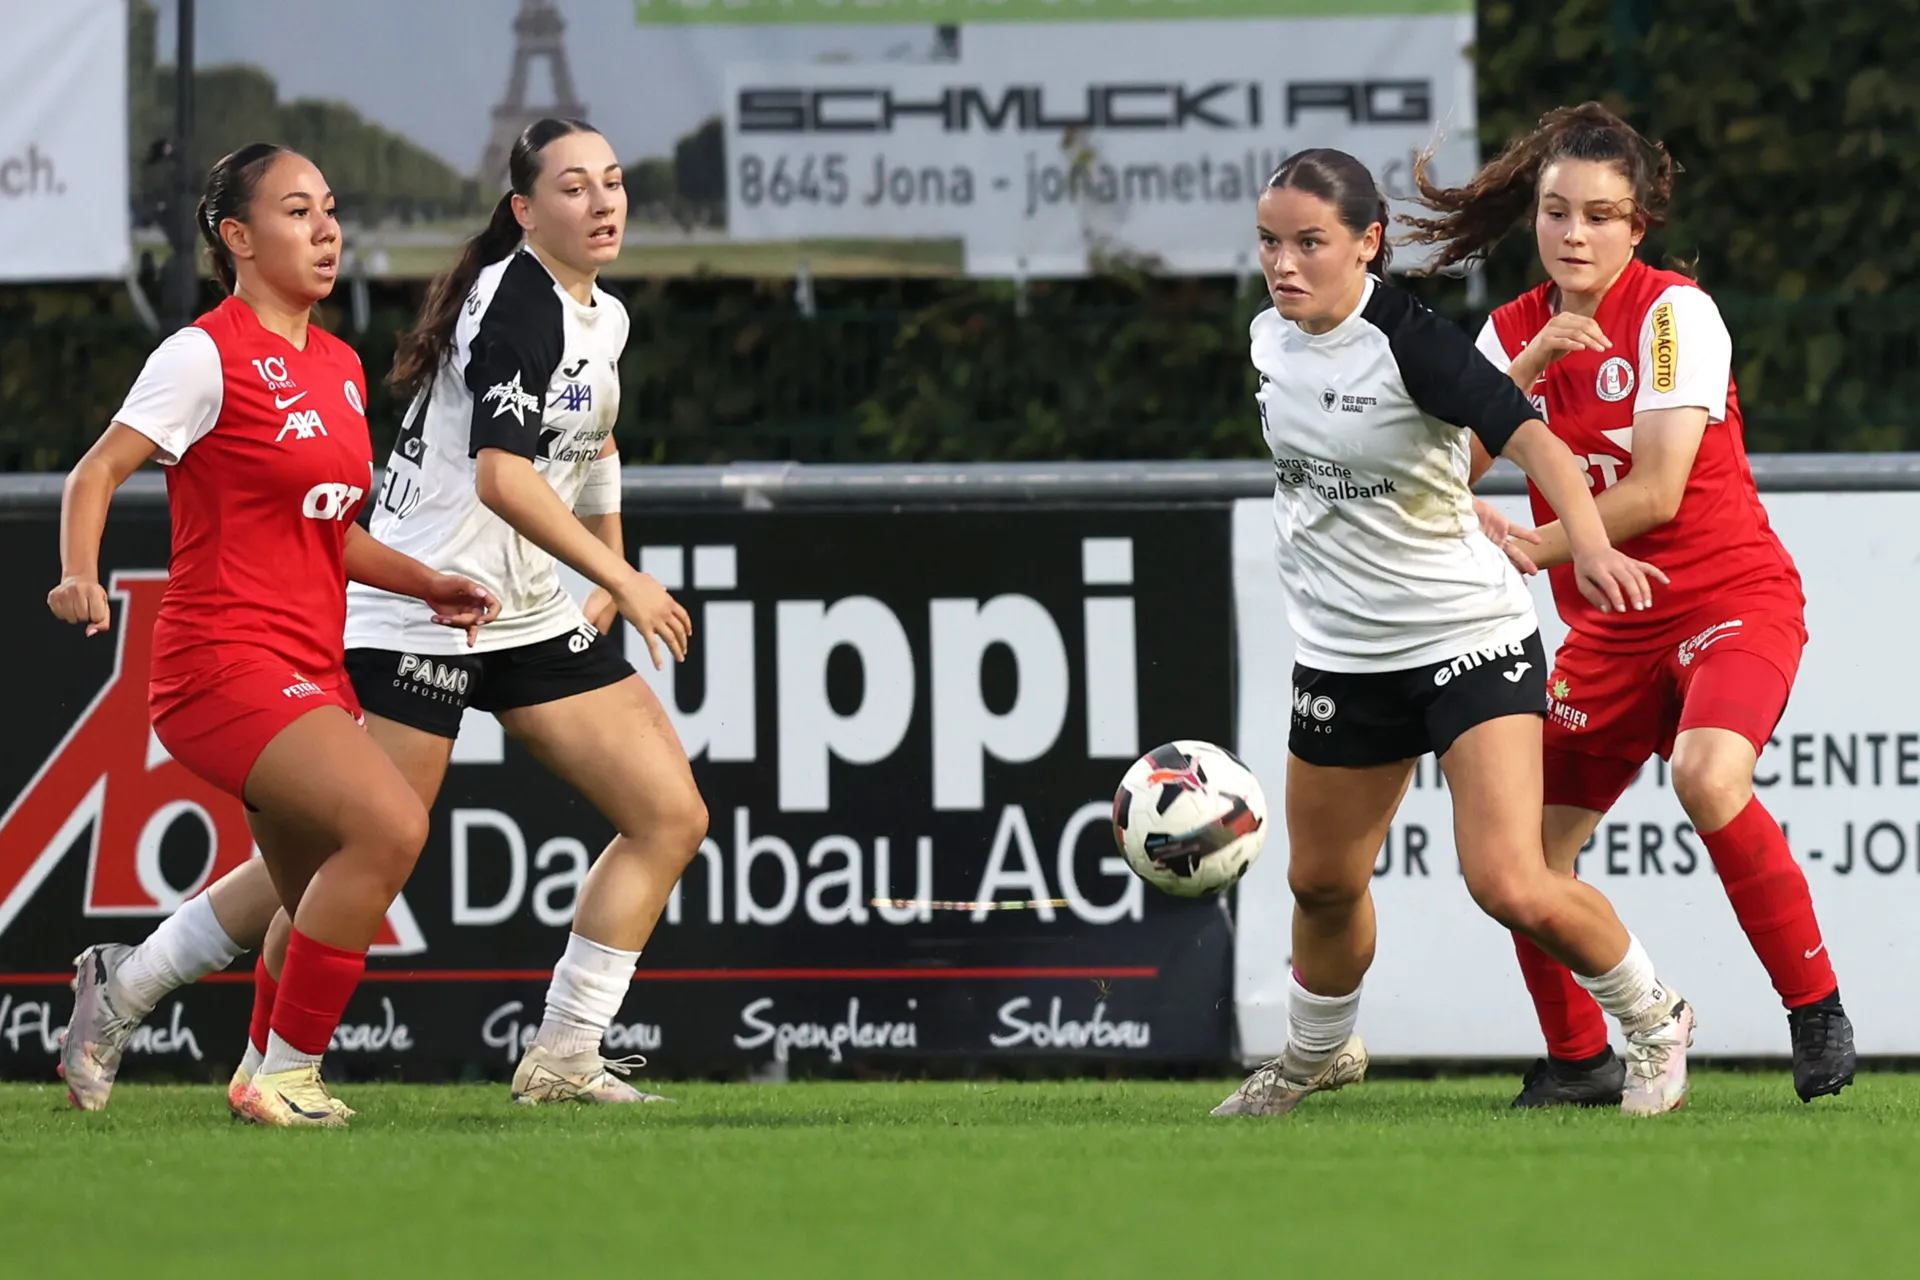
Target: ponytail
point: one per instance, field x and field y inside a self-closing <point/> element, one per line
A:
<point x="424" y="346"/>
<point x="229" y="194"/>
<point x="1502" y="195"/>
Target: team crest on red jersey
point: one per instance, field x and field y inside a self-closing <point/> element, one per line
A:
<point x="1615" y="380"/>
<point x="111" y="782"/>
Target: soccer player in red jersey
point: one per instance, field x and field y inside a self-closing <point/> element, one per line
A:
<point x="1631" y="366"/>
<point x="259" y="418"/>
<point x="505" y="464"/>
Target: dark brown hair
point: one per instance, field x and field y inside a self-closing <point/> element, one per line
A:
<point x="231" y="185"/>
<point x="1344" y="183"/>
<point x="424" y="346"/>
<point x="1475" y="217"/>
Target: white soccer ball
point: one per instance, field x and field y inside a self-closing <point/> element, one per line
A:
<point x="1190" y="818"/>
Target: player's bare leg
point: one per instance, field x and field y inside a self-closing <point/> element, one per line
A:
<point x="616" y="746"/>
<point x="1337" y="820"/>
<point x="422" y="760"/>
<point x="1494" y="774"/>
<point x="1581" y="1068"/>
<point x="115" y="986"/>
<point x="340" y="830"/>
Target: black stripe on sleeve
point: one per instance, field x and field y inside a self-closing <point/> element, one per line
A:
<point x="512" y="360"/>
<point x="1445" y="373"/>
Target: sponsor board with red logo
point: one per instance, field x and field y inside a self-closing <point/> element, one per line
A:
<point x="887" y="706"/>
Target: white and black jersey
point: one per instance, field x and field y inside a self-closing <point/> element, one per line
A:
<point x="534" y="372"/>
<point x="1381" y="557"/>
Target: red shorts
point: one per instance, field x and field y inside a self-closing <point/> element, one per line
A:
<point x="217" y="715"/>
<point x="1730" y="665"/>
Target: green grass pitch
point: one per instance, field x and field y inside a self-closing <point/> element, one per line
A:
<point x="919" y="1180"/>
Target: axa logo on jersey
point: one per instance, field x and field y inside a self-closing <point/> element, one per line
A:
<point x="302" y="424"/>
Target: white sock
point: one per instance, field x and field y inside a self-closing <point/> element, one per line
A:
<point x="251" y="1059"/>
<point x="1630" y="988"/>
<point x="589" y="984"/>
<point x="281" y="1056"/>
<point x="1319" y="1025"/>
<point x="188" y="945"/>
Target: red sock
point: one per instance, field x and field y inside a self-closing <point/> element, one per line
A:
<point x="1770" y="899"/>
<point x="315" y="984"/>
<point x="264" y="990"/>
<point x="1569" y="1017"/>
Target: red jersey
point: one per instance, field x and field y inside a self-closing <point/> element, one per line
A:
<point x="1670" y="350"/>
<point x="268" y="462"/>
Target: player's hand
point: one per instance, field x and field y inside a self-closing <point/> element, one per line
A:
<point x="1507" y="536"/>
<point x="654" y="613"/>
<point x="462" y="603"/>
<point x="602" y="613"/>
<point x="1613" y="582"/>
<point x="80" y="600"/>
<point x="1562" y="334"/>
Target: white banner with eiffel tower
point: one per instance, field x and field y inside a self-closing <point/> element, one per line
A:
<point x="1028" y="137"/>
<point x="63" y="140"/>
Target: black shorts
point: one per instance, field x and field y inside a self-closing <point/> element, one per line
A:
<point x="429" y="691"/>
<point x="1354" y="720"/>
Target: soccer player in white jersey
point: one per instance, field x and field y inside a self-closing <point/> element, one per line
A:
<point x="504" y="465"/>
<point x="1413" y="632"/>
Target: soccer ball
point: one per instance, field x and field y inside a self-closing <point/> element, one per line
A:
<point x="1190" y="818"/>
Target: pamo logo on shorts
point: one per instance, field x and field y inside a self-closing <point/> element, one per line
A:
<point x="1317" y="705"/>
<point x="1474" y="659"/>
<point x="429" y="676"/>
<point x="331" y="501"/>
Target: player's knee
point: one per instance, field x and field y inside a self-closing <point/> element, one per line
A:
<point x="393" y="834"/>
<point x="1712" y="791"/>
<point x="673" y="826"/>
<point x="684" y="825"/>
<point x="1520" y="901"/>
<point x="1316" y="891"/>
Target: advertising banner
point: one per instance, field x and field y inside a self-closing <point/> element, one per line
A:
<point x="884" y="710"/>
<point x="997" y="137"/>
<point x="1841" y="774"/>
<point x="1048" y="152"/>
<point x="63" y="140"/>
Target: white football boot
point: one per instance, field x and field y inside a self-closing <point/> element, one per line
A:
<point x="1656" y="1056"/>
<point x="294" y="1099"/>
<point x="584" y="1077"/>
<point x="1278" y="1086"/>
<point x="97" y="1036"/>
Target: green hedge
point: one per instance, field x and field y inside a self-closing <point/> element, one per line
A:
<point x="1797" y="122"/>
